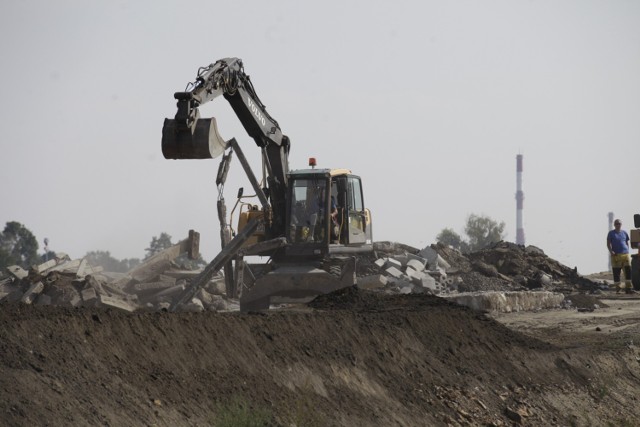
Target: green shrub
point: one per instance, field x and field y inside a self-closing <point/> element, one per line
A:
<point x="238" y="413"/>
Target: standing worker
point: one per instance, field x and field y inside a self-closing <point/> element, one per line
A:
<point x="618" y="245"/>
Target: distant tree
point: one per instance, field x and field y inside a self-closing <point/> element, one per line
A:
<point x="158" y="244"/>
<point x="482" y="231"/>
<point x="47" y="256"/>
<point x="109" y="263"/>
<point x="449" y="237"/>
<point x="18" y="246"/>
<point x="129" y="263"/>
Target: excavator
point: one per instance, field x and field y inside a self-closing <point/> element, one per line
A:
<point x="309" y="224"/>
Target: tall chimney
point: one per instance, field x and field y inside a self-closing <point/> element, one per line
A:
<point x="520" y="202"/>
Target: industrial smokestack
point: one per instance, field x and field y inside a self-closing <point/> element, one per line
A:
<point x="520" y="202"/>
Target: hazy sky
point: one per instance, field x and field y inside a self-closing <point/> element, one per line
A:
<point x="428" y="101"/>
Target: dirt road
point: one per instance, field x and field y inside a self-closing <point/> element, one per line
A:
<point x="351" y="358"/>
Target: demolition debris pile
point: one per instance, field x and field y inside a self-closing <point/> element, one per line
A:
<point x="442" y="270"/>
<point x="392" y="268"/>
<point x="152" y="286"/>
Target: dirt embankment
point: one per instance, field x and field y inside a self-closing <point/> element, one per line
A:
<point x="351" y="358"/>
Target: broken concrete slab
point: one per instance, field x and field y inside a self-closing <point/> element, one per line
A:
<point x="41" y="268"/>
<point x="375" y="281"/>
<point x="172" y="291"/>
<point x="80" y="272"/>
<point x="429" y="282"/>
<point x="70" y="266"/>
<point x="508" y="302"/>
<point x="33" y="291"/>
<point x="89" y="296"/>
<point x="416" y="264"/>
<point x="433" y="258"/>
<point x="392" y="263"/>
<point x="195" y="305"/>
<point x="162" y="261"/>
<point x="116" y="303"/>
<point x="414" y="274"/>
<point x="17" y="272"/>
<point x="394" y="272"/>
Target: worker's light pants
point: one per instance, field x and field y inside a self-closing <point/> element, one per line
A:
<point x="618" y="263"/>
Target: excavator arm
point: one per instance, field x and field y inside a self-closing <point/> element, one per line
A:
<point x="227" y="77"/>
<point x="188" y="136"/>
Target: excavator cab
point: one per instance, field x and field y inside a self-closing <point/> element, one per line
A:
<point x="326" y="213"/>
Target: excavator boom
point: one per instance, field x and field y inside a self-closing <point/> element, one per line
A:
<point x="187" y="136"/>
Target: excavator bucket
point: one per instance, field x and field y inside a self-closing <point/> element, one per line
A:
<point x="201" y="142"/>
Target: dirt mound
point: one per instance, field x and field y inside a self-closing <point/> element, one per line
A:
<point x="352" y="358"/>
<point x="506" y="266"/>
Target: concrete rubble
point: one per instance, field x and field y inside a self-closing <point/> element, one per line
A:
<point x="504" y="277"/>
<point x="153" y="285"/>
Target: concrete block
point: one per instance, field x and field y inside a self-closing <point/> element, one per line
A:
<point x="394" y="272"/>
<point x="545" y="279"/>
<point x="391" y="262"/>
<point x="33" y="291"/>
<point x="171" y="292"/>
<point x="442" y="263"/>
<point x="76" y="299"/>
<point x="89" y="296"/>
<point x="402" y="259"/>
<point x="429" y="254"/>
<point x="433" y="259"/>
<point x="216" y="286"/>
<point x="46" y="265"/>
<point x="152" y="287"/>
<point x="406" y="287"/>
<point x="415" y="265"/>
<point x="80" y="272"/>
<point x="204" y="296"/>
<point x="417" y="258"/>
<point x="116" y="303"/>
<point x="167" y="279"/>
<point x="212" y="302"/>
<point x="17" y="272"/>
<point x="507" y="302"/>
<point x="415" y="276"/>
<point x="195" y="305"/>
<point x="375" y="281"/>
<point x="429" y="282"/>
<point x="66" y="266"/>
<point x="380" y="262"/>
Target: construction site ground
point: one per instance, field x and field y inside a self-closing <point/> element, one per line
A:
<point x="351" y="358"/>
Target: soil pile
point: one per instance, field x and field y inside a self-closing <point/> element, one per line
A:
<point x="506" y="266"/>
<point x="350" y="358"/>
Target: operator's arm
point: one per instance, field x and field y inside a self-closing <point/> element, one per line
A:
<point x="609" y="247"/>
